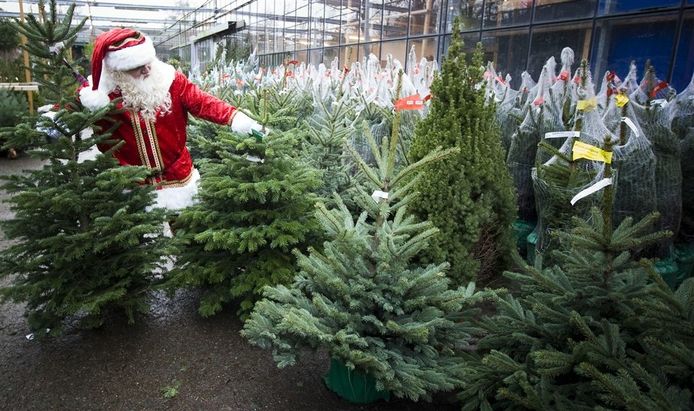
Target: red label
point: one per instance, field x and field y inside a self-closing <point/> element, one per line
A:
<point x="657" y="88"/>
<point x="564" y="75"/>
<point x="413" y="102"/>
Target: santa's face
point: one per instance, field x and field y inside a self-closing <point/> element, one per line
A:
<point x="142" y="89"/>
<point x="141" y="72"/>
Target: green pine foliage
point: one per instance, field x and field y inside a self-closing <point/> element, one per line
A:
<point x="363" y="299"/>
<point x="327" y="133"/>
<point x="255" y="206"/>
<point x="86" y="241"/>
<point x="598" y="330"/>
<point x="468" y="197"/>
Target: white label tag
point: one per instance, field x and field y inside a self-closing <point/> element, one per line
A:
<point x="563" y="134"/>
<point x="55" y="48"/>
<point x="379" y="195"/>
<point x="592" y="189"/>
<point x="631" y="125"/>
<point x="659" y="102"/>
<point x="254" y="159"/>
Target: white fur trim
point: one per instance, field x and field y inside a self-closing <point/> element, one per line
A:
<point x="177" y="198"/>
<point x="93" y="99"/>
<point x="130" y="57"/>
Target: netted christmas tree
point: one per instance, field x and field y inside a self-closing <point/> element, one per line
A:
<point x="256" y="205"/>
<point x="560" y="178"/>
<point x="591" y="332"/>
<point x="650" y="109"/>
<point x="468" y="197"/>
<point x="363" y="299"/>
<point x="682" y="124"/>
<point x="86" y="237"/>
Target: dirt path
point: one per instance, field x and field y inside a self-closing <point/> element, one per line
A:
<point x="204" y="362"/>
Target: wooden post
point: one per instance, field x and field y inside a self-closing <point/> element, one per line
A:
<point x="27" y="71"/>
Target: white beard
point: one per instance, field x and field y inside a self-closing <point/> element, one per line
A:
<point x="150" y="96"/>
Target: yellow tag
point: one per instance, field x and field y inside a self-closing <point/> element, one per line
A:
<point x="622" y="100"/>
<point x="587" y="105"/>
<point x="583" y="150"/>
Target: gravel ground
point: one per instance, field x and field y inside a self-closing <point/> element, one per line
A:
<point x="204" y="362"/>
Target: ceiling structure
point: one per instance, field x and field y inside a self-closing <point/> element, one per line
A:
<point x="152" y="17"/>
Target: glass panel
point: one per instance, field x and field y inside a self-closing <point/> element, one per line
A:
<point x="549" y="41"/>
<point x="684" y="62"/>
<point x="395" y="16"/>
<point x="372" y="27"/>
<point x="332" y="23"/>
<point x="302" y="27"/>
<point x="316" y="56"/>
<point x="498" y="13"/>
<point x="329" y="54"/>
<point x="332" y="32"/>
<point x="279" y="35"/>
<point x="619" y="6"/>
<point x="372" y="48"/>
<point x="317" y="17"/>
<point x="470" y="40"/>
<point x="290" y="38"/>
<point x="551" y="10"/>
<point x="425" y="47"/>
<point x="424" y="16"/>
<point x="470" y="12"/>
<point x="508" y="50"/>
<point x="350" y="22"/>
<point x="348" y="55"/>
<point x="398" y="49"/>
<point x="618" y="42"/>
<point x="301" y="56"/>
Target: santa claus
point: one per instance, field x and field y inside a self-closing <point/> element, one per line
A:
<point x="155" y="101"/>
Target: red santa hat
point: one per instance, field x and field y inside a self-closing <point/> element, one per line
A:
<point x="116" y="50"/>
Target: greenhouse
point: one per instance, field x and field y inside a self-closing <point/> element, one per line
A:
<point x="347" y="204"/>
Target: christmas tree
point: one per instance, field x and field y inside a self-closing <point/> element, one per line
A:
<point x="363" y="299"/>
<point x="86" y="238"/>
<point x="324" y="148"/>
<point x="255" y="206"/>
<point x="468" y="197"/>
<point x="587" y="333"/>
<point x="558" y="179"/>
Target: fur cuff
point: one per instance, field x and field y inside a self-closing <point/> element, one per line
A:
<point x="93" y="99"/>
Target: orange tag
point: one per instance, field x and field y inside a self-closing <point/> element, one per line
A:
<point x="657" y="88"/>
<point x="413" y="102"/>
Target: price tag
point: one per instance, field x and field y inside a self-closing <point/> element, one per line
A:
<point x="55" y="48"/>
<point x="587" y="105"/>
<point x="563" y="134"/>
<point x="583" y="150"/>
<point x="631" y="125"/>
<point x="622" y="100"/>
<point x="592" y="189"/>
<point x="254" y="159"/>
<point x="379" y="195"/>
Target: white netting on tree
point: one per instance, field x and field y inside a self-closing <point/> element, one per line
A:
<point x="633" y="159"/>
<point x="653" y="116"/>
<point x="682" y="123"/>
<point x="559" y="180"/>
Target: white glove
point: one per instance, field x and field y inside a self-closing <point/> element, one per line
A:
<point x="243" y="124"/>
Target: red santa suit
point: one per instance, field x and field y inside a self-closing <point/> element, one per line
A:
<point x="156" y="142"/>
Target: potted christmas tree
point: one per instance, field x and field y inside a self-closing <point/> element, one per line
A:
<point x="385" y="321"/>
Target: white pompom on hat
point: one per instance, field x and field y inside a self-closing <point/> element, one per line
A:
<point x="117" y="50"/>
